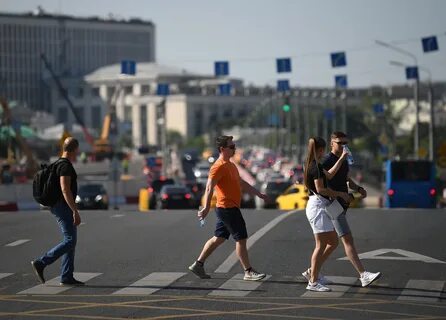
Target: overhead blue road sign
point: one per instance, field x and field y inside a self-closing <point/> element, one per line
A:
<point x="341" y="81"/>
<point x="128" y="67"/>
<point x="283" y="85"/>
<point x="411" y="73"/>
<point x="162" y="89"/>
<point x="221" y="68"/>
<point x="224" y="89"/>
<point x="283" y="65"/>
<point x="430" y="44"/>
<point x="329" y="114"/>
<point x="378" y="108"/>
<point x="338" y="59"/>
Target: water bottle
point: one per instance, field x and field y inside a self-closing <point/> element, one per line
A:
<point x="202" y="221"/>
<point x="349" y="155"/>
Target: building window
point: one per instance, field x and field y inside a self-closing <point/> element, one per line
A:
<point x="127" y="113"/>
<point x="62" y="115"/>
<point x="80" y="113"/>
<point x="96" y="117"/>
<point x="95" y="92"/>
<point x="143" y="125"/>
<point x="128" y="90"/>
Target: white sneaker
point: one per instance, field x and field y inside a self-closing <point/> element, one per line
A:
<point x="321" y="279"/>
<point x="316" y="286"/>
<point x="253" y="275"/>
<point x="368" y="278"/>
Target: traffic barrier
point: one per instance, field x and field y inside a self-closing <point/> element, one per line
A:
<point x="143" y="200"/>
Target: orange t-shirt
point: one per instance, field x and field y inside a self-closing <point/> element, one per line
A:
<point x="228" y="189"/>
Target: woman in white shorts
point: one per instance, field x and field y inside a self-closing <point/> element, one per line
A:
<point x="315" y="179"/>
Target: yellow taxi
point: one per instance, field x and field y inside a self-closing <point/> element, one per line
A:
<point x="295" y="197"/>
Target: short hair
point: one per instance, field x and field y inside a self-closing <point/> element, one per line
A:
<point x="338" y="134"/>
<point x="70" y="144"/>
<point x="222" y="141"/>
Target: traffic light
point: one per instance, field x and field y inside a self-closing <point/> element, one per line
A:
<point x="286" y="104"/>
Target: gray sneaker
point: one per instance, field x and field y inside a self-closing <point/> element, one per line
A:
<point x="322" y="280"/>
<point x="253" y="275"/>
<point x="198" y="270"/>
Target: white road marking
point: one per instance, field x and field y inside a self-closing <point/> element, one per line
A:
<point x="53" y="287"/>
<point x="4" y="275"/>
<point x="17" y="243"/>
<point x="422" y="290"/>
<point x="232" y="259"/>
<point x="237" y="287"/>
<point x="340" y="286"/>
<point x="118" y="215"/>
<point x="403" y="255"/>
<point x="152" y="283"/>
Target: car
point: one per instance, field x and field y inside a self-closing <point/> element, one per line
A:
<point x="92" y="196"/>
<point x="155" y="188"/>
<point x="272" y="189"/>
<point x="295" y="197"/>
<point x="175" y="197"/>
<point x="197" y="190"/>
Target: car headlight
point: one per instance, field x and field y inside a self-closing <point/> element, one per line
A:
<point x="78" y="199"/>
<point x="197" y="174"/>
<point x="98" y="197"/>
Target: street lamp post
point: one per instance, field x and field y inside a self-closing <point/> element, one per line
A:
<point x="430" y="98"/>
<point x="417" y="82"/>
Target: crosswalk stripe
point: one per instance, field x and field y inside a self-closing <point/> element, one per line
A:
<point x="340" y="286"/>
<point x="4" y="275"/>
<point x="237" y="287"/>
<point x="422" y="290"/>
<point x="152" y="283"/>
<point x="17" y="243"/>
<point x="53" y="287"/>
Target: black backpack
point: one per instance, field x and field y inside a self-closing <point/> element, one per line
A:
<point x="46" y="186"/>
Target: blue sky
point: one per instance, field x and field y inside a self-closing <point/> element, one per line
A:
<point x="251" y="34"/>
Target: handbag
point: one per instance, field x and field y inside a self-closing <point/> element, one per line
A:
<point x="334" y="209"/>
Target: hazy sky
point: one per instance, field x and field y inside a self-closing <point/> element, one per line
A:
<point x="192" y="34"/>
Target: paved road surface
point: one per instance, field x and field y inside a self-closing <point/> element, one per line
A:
<point x="135" y="266"/>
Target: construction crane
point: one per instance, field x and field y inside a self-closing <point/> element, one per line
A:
<point x="103" y="145"/>
<point x="31" y="164"/>
<point x="64" y="94"/>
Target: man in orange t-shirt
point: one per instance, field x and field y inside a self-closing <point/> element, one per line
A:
<point x="225" y="178"/>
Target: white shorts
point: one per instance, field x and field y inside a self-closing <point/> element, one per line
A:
<point x="317" y="215"/>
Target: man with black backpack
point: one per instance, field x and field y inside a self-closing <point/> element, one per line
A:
<point x="62" y="180"/>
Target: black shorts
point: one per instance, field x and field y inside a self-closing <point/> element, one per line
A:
<point x="230" y="222"/>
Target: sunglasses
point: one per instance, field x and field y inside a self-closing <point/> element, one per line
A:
<point x="342" y="143"/>
<point x="232" y="147"/>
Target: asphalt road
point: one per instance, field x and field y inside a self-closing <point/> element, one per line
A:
<point x="135" y="265"/>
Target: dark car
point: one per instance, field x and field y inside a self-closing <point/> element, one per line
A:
<point x="175" y="197"/>
<point x="197" y="190"/>
<point x="272" y="189"/>
<point x="155" y="188"/>
<point x="92" y="196"/>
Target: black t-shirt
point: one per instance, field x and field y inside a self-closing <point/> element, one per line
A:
<point x="339" y="181"/>
<point x="66" y="169"/>
<point x="314" y="173"/>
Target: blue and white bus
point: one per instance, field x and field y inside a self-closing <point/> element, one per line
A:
<point x="410" y="184"/>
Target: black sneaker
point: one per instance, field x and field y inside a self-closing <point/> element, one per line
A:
<point x="72" y="282"/>
<point x="38" y="270"/>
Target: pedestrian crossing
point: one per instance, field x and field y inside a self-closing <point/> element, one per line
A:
<point x="233" y="286"/>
